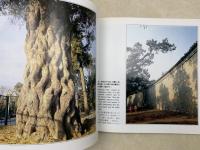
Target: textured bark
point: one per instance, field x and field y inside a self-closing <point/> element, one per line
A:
<point x="43" y="108"/>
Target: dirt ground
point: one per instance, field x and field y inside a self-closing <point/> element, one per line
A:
<point x="8" y="133"/>
<point x="8" y="136"/>
<point x="160" y="117"/>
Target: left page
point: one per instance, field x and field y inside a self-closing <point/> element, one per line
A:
<point x="47" y="74"/>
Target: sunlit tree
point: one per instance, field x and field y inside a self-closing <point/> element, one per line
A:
<point x="43" y="108"/>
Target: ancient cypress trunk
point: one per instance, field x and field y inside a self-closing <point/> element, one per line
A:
<point x="48" y="86"/>
<point x="86" y="108"/>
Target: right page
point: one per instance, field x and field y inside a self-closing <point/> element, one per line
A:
<point x="148" y="75"/>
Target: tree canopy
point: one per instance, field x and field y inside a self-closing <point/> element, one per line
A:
<point x="138" y="61"/>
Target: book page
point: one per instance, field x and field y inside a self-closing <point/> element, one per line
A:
<point x="47" y="74"/>
<point x="148" y="75"/>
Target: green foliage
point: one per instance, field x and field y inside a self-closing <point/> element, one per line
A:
<point x="80" y="56"/>
<point x="136" y="84"/>
<point x="164" y="46"/>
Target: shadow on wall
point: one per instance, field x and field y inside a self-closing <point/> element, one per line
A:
<point x="194" y="75"/>
<point x="150" y="100"/>
<point x="180" y="95"/>
<point x="184" y="101"/>
<point x="163" y="102"/>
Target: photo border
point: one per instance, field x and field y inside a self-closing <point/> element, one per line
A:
<point x="198" y="112"/>
<point x="169" y="128"/>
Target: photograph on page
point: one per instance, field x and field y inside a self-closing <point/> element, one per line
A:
<point x="161" y="74"/>
<point x="47" y="71"/>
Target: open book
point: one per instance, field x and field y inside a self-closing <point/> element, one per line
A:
<point x="66" y="75"/>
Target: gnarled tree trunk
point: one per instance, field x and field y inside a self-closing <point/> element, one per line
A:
<point x="48" y="87"/>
